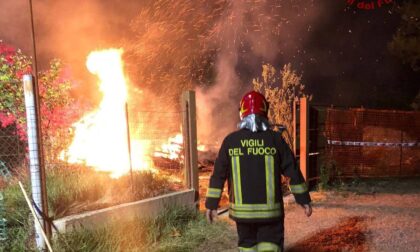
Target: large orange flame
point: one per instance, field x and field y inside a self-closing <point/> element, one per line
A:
<point x="100" y="139"/>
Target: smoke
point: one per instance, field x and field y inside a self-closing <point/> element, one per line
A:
<point x="250" y="32"/>
<point x="215" y="105"/>
<point x="15" y="24"/>
<point x="216" y="46"/>
<point x="66" y="30"/>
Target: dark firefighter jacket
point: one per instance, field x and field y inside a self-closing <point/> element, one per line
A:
<point x="252" y="163"/>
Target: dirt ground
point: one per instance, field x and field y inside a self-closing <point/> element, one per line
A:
<point x="373" y="215"/>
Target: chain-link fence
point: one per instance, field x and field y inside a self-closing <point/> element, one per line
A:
<point x="12" y="149"/>
<point x="152" y="142"/>
<point x="156" y="136"/>
<point x="12" y="140"/>
<point x="154" y="139"/>
<point x="12" y="144"/>
<point x="373" y="143"/>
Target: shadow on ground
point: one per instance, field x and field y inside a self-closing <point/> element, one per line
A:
<point x="348" y="235"/>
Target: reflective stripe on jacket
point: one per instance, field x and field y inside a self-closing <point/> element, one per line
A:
<point x="252" y="163"/>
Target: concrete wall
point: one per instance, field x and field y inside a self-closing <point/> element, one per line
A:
<point x="147" y="208"/>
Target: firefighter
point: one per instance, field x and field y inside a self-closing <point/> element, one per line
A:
<point x="252" y="160"/>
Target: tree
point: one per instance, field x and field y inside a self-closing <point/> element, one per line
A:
<point x="13" y="65"/>
<point x="54" y="92"/>
<point x="406" y="41"/>
<point x="416" y="102"/>
<point x="280" y="90"/>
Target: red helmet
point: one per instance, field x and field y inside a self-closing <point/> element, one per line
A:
<point x="253" y="103"/>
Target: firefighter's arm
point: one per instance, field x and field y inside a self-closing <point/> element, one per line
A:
<point x="217" y="179"/>
<point x="298" y="185"/>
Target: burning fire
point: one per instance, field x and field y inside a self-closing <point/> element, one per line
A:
<point x="100" y="139"/>
<point x="172" y="149"/>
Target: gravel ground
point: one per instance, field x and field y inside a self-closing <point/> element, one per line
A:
<point x="380" y="215"/>
<point x="370" y="216"/>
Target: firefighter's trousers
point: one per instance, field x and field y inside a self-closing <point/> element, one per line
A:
<point x="258" y="237"/>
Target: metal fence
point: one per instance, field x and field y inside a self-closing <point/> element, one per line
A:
<point x="155" y="137"/>
<point x="12" y="149"/>
<point x="373" y="143"/>
<point x="12" y="144"/>
<point x="154" y="141"/>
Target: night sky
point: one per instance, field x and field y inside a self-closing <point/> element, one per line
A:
<point x="340" y="50"/>
<point x="345" y="61"/>
<point x="352" y="65"/>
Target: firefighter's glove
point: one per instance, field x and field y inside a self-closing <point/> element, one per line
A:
<point x="211" y="215"/>
<point x="308" y="209"/>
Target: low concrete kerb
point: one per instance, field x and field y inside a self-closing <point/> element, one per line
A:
<point x="147" y="208"/>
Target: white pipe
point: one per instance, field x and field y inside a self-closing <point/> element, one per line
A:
<point x="34" y="155"/>
<point x="35" y="216"/>
<point x="2" y="220"/>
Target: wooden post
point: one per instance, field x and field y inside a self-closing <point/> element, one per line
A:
<point x="294" y="123"/>
<point x="189" y="130"/>
<point x="304" y="137"/>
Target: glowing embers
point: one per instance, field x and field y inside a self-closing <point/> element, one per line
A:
<point x="172" y="149"/>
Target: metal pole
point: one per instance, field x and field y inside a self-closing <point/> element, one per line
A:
<point x="129" y="147"/>
<point x="35" y="62"/>
<point x="35" y="216"/>
<point x="34" y="155"/>
<point x="44" y="199"/>
<point x="294" y="125"/>
<point x="3" y="226"/>
<point x="401" y="152"/>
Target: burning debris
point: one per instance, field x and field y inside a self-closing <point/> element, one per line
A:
<point x="170" y="154"/>
<point x="100" y="136"/>
<point x="171" y="150"/>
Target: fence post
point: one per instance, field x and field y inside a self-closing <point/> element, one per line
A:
<point x="304" y="136"/>
<point x="36" y="165"/>
<point x="3" y="232"/>
<point x="294" y="123"/>
<point x="4" y="175"/>
<point x="401" y="152"/>
<point x="189" y="130"/>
